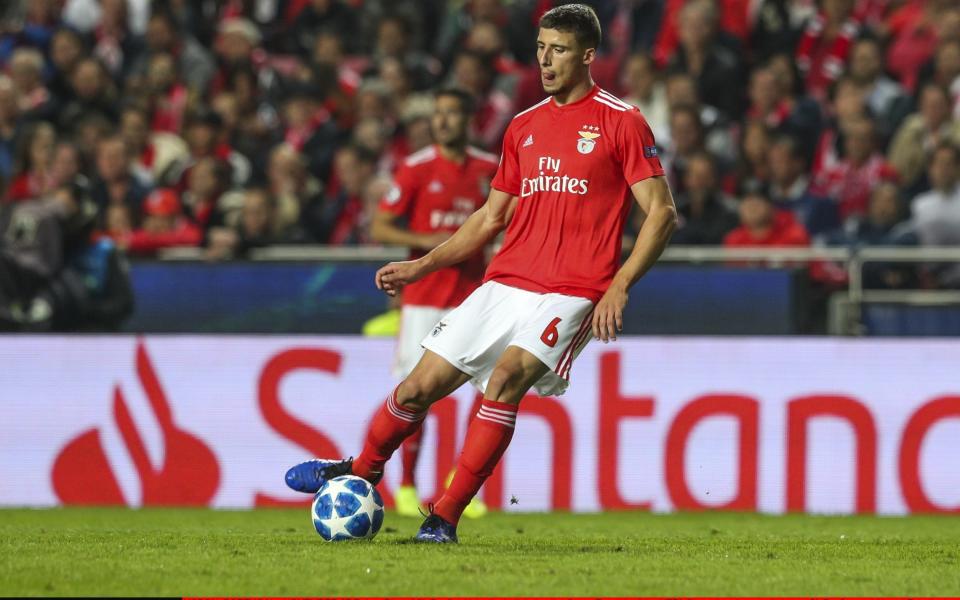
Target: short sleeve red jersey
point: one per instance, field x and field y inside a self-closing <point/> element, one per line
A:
<point x="572" y="167"/>
<point x="435" y="194"/>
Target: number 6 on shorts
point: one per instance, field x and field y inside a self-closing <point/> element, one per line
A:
<point x="550" y="335"/>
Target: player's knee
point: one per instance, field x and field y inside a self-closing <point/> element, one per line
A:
<point x="504" y="381"/>
<point x="415" y="393"/>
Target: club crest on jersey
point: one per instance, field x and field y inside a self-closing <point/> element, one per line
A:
<point x="587" y="141"/>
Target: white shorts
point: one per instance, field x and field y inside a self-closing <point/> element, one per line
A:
<point x="552" y="327"/>
<point x="416" y="323"/>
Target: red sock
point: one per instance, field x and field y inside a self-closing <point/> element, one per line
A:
<point x="390" y="426"/>
<point x="487" y="438"/>
<point x="409" y="454"/>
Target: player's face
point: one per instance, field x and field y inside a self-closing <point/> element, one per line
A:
<point x="449" y="122"/>
<point x="563" y="64"/>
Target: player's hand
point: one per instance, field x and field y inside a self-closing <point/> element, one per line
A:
<point x="392" y="277"/>
<point x="608" y="314"/>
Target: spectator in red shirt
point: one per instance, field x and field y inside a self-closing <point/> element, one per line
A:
<point x="862" y="166"/>
<point x="164" y="226"/>
<point x="824" y="45"/>
<point x="916" y="29"/>
<point x="167" y="95"/>
<point x="761" y="225"/>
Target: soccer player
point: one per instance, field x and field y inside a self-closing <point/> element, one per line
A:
<point x="570" y="165"/>
<point x="435" y="190"/>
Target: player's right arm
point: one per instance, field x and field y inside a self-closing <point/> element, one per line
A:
<point x="478" y="230"/>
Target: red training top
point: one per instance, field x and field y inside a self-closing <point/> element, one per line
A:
<point x="572" y="167"/>
<point x="437" y="195"/>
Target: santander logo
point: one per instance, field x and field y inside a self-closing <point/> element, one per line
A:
<point x="188" y="474"/>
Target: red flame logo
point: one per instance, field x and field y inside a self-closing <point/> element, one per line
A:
<point x="189" y="475"/>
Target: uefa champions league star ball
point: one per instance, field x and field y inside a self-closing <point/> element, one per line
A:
<point x="347" y="508"/>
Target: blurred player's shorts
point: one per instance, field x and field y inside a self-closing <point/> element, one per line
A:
<point x="416" y="322"/>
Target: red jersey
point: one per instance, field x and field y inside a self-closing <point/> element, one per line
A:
<point x="572" y="167"/>
<point x="437" y="195"/>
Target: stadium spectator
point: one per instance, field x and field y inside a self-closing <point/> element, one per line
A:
<point x="204" y="135"/>
<point x="320" y="16"/>
<point x="646" y="91"/>
<point x="32" y="176"/>
<point x="936" y="213"/>
<point x="393" y="39"/>
<point x="777" y="27"/>
<point x="752" y="170"/>
<point x="114" y="183"/>
<point x="164" y="226"/>
<point x="166" y="95"/>
<point x="257" y="227"/>
<point x="152" y="154"/>
<point x="772" y="101"/>
<point x="790" y="188"/>
<point x="66" y="50"/>
<point x="920" y="133"/>
<point x="309" y="129"/>
<point x="716" y="67"/>
<point x="706" y="216"/>
<point x="291" y="185"/>
<point x="194" y="63"/>
<point x="338" y="218"/>
<point x="825" y="44"/>
<point x="94" y="94"/>
<point x="113" y="43"/>
<point x="26" y="71"/>
<point x="915" y="30"/>
<point x="474" y="73"/>
<point x="206" y="183"/>
<point x="883" y="225"/>
<point x="861" y="167"/>
<point x="10" y="126"/>
<point x="65" y="166"/>
<point x="885" y="97"/>
<point x="762" y="225"/>
<point x="686" y="134"/>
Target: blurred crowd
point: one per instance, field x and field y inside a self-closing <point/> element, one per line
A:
<point x="234" y="124"/>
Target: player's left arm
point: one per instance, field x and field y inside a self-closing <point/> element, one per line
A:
<point x="654" y="197"/>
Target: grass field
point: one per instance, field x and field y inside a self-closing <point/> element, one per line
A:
<point x="276" y="552"/>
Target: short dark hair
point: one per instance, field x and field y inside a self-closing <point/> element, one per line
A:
<point x="948" y="146"/>
<point x="578" y="19"/>
<point x="465" y="98"/>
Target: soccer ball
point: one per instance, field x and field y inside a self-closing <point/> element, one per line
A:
<point x="347" y="508"/>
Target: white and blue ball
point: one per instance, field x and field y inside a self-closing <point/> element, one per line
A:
<point x="347" y="508"/>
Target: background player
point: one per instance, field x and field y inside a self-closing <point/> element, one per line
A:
<point x="435" y="190"/>
<point x="562" y="191"/>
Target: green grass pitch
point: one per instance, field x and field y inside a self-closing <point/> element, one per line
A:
<point x="276" y="552"/>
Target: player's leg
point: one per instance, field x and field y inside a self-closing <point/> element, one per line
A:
<point x="416" y="323"/>
<point x="487" y="438"/>
<point x="477" y="507"/>
<point x="432" y="379"/>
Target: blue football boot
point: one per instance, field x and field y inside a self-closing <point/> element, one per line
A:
<point x="308" y="477"/>
<point x="437" y="531"/>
